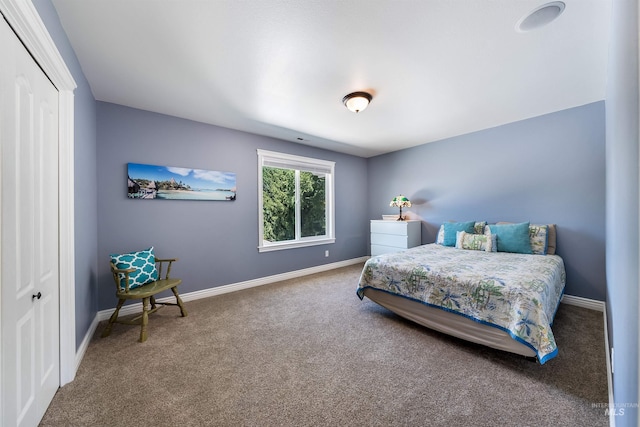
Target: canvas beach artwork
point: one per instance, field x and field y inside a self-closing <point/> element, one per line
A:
<point x="177" y="183"/>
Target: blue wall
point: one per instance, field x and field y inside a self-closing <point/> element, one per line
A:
<point x="548" y="169"/>
<point x="622" y="205"/>
<point x="86" y="206"/>
<point x="215" y="241"/>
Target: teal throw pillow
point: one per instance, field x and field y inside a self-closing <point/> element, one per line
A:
<point x="478" y="228"/>
<point x="451" y="228"/>
<point x="512" y="237"/>
<point x="144" y="263"/>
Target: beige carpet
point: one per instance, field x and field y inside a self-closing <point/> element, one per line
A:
<point x="308" y="352"/>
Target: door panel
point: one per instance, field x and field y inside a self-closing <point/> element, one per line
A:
<point x="29" y="291"/>
<point x="25" y="331"/>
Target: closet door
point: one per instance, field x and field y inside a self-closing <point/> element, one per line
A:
<point x="29" y="280"/>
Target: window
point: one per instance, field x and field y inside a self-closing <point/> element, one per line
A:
<point x="295" y="201"/>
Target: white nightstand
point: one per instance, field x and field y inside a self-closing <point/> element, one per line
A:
<point x="394" y="236"/>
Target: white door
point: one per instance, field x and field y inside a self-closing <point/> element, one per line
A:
<point x="29" y="279"/>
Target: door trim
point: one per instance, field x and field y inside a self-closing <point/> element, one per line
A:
<point x="25" y="21"/>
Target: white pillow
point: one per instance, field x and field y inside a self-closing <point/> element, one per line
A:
<point x="476" y="242"/>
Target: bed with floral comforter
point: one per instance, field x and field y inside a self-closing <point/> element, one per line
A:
<point x="516" y="293"/>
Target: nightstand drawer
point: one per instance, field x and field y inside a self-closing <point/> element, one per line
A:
<point x="390" y="240"/>
<point x="390" y="227"/>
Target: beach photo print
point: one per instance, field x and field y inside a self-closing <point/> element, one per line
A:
<point x="175" y="183"/>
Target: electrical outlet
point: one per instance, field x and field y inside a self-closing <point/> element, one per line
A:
<point x="326" y="254"/>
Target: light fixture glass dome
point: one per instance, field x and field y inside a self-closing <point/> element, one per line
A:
<point x="357" y="101"/>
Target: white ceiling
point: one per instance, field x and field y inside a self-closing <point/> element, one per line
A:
<point x="436" y="68"/>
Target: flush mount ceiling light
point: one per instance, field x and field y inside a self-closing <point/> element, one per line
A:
<point x="357" y="101"/>
<point x="540" y="16"/>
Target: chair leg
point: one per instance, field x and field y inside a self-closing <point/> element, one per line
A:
<point x="153" y="302"/>
<point x="112" y="319"/>
<point x="145" y="319"/>
<point x="183" y="310"/>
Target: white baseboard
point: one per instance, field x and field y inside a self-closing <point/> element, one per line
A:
<point x="612" y="418"/>
<point x="85" y="342"/>
<point x="591" y="304"/>
<point x="219" y="290"/>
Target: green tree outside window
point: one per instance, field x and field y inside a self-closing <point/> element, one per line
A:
<point x="296" y="201"/>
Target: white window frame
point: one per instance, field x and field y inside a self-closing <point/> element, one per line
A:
<point x="298" y="163"/>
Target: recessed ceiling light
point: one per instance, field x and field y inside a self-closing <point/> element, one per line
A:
<point x="540" y="16"/>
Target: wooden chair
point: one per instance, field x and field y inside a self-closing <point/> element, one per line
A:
<point x="146" y="293"/>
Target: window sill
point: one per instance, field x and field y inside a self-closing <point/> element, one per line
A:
<point x="291" y="245"/>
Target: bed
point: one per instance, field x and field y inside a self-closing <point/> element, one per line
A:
<point x="499" y="299"/>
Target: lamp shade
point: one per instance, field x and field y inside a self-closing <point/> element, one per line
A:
<point x="357" y="101"/>
<point x="400" y="202"/>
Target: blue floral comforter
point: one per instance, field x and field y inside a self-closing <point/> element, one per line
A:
<point x="516" y="293"/>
